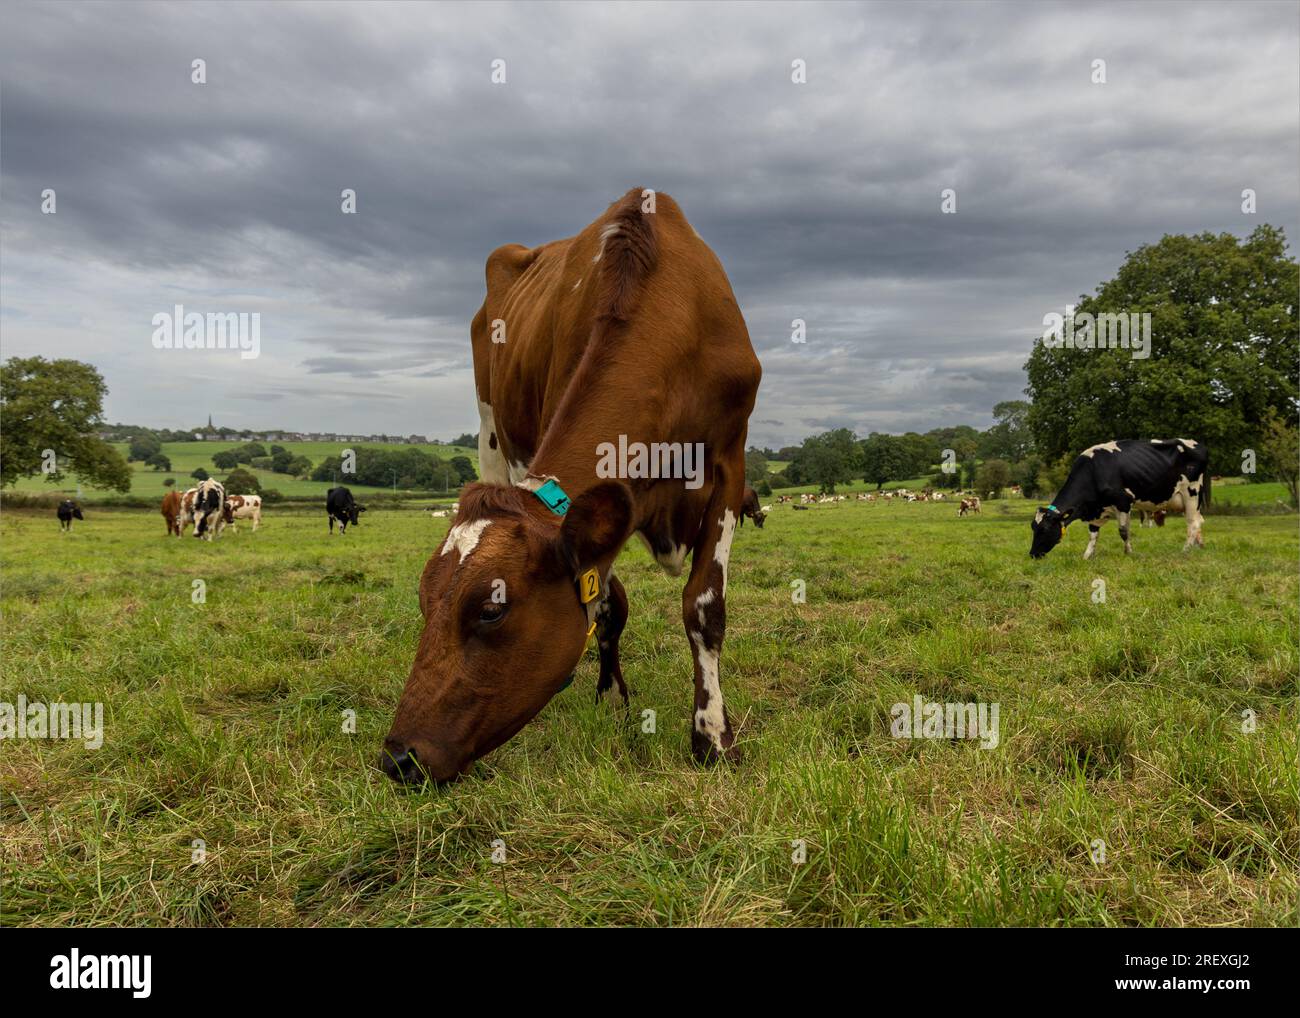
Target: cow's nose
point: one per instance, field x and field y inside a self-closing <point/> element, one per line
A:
<point x="400" y="763"/>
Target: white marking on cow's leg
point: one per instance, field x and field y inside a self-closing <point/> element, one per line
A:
<point x="1191" y="494"/>
<point x="711" y="718"/>
<point x="702" y="602"/>
<point x="722" y="552"/>
<point x="491" y="460"/>
<point x="464" y="537"/>
<point x="1092" y="542"/>
<point x="1122" y="519"/>
<point x="704" y="613"/>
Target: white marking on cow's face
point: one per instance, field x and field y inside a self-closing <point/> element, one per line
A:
<point x="464" y="537"/>
<point x="492" y="462"/>
<point x="710" y="719"/>
<point x="702" y="602"/>
<point x="1111" y="446"/>
<point x="1038" y="516"/>
<point x="722" y="550"/>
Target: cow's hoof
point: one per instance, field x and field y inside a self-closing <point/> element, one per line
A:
<point x="707" y="754"/>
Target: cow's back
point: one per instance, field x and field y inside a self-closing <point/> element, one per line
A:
<point x="681" y="354"/>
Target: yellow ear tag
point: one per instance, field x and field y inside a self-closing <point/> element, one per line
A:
<point x="589" y="586"/>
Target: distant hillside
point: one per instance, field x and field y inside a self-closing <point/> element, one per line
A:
<point x="188" y="456"/>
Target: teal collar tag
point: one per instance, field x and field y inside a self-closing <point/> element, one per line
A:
<point x="1052" y="509"/>
<point x="553" y="496"/>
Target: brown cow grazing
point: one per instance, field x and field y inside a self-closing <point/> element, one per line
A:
<point x="617" y="353"/>
<point x="749" y="507"/>
<point x="969" y="505"/>
<point x="171" y="511"/>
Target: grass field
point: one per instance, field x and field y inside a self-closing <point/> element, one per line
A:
<point x="1121" y="731"/>
<point x="187" y="457"/>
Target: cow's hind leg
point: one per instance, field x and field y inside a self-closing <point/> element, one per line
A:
<point x="704" y="613"/>
<point x="1122" y="518"/>
<point x="610" y="620"/>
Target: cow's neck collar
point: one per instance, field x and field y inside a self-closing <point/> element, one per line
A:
<point x="556" y="499"/>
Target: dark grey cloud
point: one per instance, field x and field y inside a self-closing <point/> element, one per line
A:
<point x="822" y="200"/>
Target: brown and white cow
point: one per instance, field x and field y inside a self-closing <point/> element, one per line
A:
<point x="244" y="507"/>
<point x="186" y="516"/>
<point x="171" y="511"/>
<point x="969" y="505"/>
<point x="625" y="336"/>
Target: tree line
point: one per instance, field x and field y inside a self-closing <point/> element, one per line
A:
<point x="1222" y="366"/>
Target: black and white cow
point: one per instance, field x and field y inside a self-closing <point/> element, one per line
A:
<point x="209" y="509"/>
<point x="1114" y="478"/>
<point x="67" y="512"/>
<point x="341" y="506"/>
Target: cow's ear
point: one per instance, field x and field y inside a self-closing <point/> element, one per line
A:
<point x="596" y="525"/>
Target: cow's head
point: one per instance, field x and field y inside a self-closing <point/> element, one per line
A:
<point x="759" y="517"/>
<point x="1049" y="528"/>
<point x="503" y="624"/>
<point x="354" y="512"/>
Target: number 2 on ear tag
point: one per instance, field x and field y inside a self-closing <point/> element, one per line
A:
<point x="589" y="586"/>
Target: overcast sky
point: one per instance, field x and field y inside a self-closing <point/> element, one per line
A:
<point x="821" y="199"/>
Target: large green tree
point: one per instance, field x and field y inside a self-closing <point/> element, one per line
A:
<point x="1009" y="438"/>
<point x="831" y="458"/>
<point x="56" y="405"/>
<point x="1225" y="345"/>
<point x="884" y="458"/>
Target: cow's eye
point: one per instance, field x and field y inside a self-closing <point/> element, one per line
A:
<point x="491" y="612"/>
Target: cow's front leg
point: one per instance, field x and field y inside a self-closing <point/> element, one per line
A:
<point x="704" y="613"/>
<point x="1122" y="518"/>
<point x="331" y="519"/>
<point x="610" y="620"/>
<point x="1093" y="530"/>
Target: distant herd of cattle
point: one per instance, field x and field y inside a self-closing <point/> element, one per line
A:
<point x="209" y="510"/>
<point x="1153" y="478"/>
